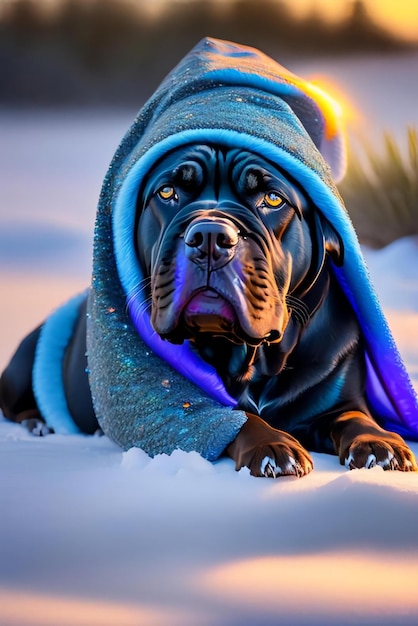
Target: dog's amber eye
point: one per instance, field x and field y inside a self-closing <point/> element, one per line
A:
<point x="273" y="200"/>
<point x="167" y="193"/>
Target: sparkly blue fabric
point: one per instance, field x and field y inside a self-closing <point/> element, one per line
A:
<point x="158" y="396"/>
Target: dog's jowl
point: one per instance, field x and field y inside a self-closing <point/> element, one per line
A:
<point x="230" y="311"/>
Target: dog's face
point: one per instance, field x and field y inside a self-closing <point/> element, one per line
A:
<point x="224" y="236"/>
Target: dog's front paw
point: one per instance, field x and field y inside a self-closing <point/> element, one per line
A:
<point x="34" y="423"/>
<point x="268" y="452"/>
<point x="284" y="458"/>
<point x="37" y="427"/>
<point x="389" y="451"/>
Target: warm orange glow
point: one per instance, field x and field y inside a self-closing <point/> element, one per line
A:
<point x="396" y="16"/>
<point x="330" y="108"/>
<point x="358" y="583"/>
<point x="22" y="607"/>
<point x="335" y="100"/>
<point x="329" y="105"/>
<point x="400" y="17"/>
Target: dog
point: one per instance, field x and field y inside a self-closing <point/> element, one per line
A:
<point x="230" y="311"/>
<point x="237" y="261"/>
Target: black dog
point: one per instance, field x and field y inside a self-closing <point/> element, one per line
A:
<point x="238" y="263"/>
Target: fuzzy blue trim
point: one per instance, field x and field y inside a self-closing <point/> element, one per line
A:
<point x="48" y="383"/>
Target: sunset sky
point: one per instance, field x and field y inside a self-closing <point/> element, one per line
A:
<point x="399" y="16"/>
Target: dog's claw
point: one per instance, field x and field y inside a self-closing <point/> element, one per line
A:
<point x="390" y="463"/>
<point x="269" y="471"/>
<point x="394" y="465"/>
<point x="371" y="461"/>
<point x="386" y="461"/>
<point x="298" y="469"/>
<point x="268" y="468"/>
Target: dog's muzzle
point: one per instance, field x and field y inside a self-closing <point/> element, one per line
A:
<point x="218" y="282"/>
<point x="210" y="243"/>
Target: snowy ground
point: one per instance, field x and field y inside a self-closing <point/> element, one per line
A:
<point x="93" y="536"/>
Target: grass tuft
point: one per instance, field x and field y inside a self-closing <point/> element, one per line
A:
<point x="380" y="190"/>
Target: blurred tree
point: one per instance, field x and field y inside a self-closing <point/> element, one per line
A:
<point x="361" y="34"/>
<point x="113" y="51"/>
<point x="25" y="21"/>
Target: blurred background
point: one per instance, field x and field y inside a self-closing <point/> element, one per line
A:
<point x="116" y="51"/>
<point x="74" y="73"/>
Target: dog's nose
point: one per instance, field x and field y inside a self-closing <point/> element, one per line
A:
<point x="211" y="241"/>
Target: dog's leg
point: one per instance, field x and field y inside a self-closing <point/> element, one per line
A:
<point x="17" y="401"/>
<point x="267" y="451"/>
<point x="360" y="442"/>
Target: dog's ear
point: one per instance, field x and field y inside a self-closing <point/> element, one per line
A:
<point x="325" y="240"/>
<point x="332" y="240"/>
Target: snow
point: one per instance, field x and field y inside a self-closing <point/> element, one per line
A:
<point x="91" y="535"/>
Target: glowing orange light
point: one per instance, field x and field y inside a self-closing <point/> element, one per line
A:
<point x="336" y="106"/>
<point x="339" y="577"/>
<point x="24" y="607"/>
<point x="329" y="99"/>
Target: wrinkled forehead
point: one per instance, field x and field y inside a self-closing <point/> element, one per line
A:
<point x="234" y="166"/>
<point x="209" y="155"/>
